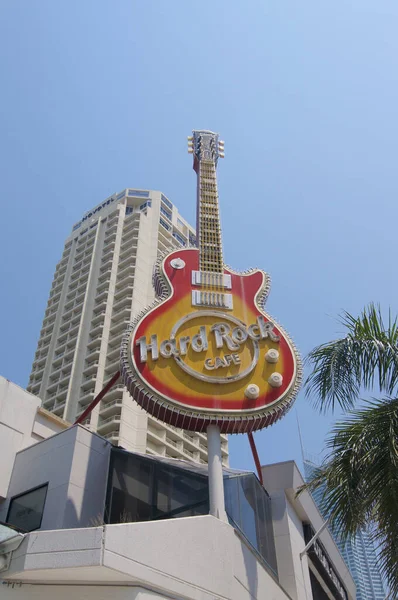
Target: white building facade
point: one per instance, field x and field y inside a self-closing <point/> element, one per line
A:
<point x="104" y="278"/>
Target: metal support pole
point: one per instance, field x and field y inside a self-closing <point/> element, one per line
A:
<point x="216" y="482"/>
<point x="255" y="457"/>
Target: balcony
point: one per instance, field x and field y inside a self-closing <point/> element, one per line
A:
<point x="106" y="264"/>
<point x="122" y="273"/>
<point x="100" y="306"/>
<point x="127" y="261"/>
<point x="97" y="319"/>
<point x="108" y="252"/>
<point x="129" y="243"/>
<point x="121" y="284"/>
<point x="91" y="367"/>
<point x="110" y="239"/>
<point x="112" y="367"/>
<point x="108" y="424"/>
<point x="122" y="303"/>
<point x="49" y="403"/>
<point x="114" y="406"/>
<point x="97" y="329"/>
<point x="122" y="292"/>
<point x="88" y="381"/>
<point x="194" y="441"/>
<point x="94" y="342"/>
<point x="86" y="398"/>
<point x="103" y="286"/>
<point x="59" y="409"/>
<point x="124" y="310"/>
<point x="113" y="353"/>
<point x="116" y="392"/>
<point x="93" y="353"/>
<point x="105" y="274"/>
<point x="112" y="436"/>
<point x="156" y="449"/>
<point x="119" y="327"/>
<point x="111" y="229"/>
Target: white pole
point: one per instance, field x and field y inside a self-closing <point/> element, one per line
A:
<point x="216" y="482"/>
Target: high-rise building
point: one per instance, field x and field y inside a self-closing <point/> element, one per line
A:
<point x="104" y="278"/>
<point x="358" y="552"/>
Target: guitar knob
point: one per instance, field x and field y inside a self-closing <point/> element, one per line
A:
<point x="275" y="380"/>
<point x="252" y="391"/>
<point x="177" y="263"/>
<point x="272" y="356"/>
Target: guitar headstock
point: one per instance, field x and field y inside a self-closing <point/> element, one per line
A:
<point x="205" y="145"/>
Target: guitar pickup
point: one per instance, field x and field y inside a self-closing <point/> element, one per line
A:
<point x="209" y="279"/>
<point x="212" y="299"/>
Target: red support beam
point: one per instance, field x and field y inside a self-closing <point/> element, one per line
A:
<point x="98" y="398"/>
<point x="255" y="456"/>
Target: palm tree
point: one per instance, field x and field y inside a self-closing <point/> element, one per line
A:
<point x="360" y="473"/>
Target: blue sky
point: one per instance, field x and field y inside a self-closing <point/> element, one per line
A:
<point x="100" y="95"/>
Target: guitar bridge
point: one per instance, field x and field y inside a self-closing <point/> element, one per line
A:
<point x="212" y="299"/>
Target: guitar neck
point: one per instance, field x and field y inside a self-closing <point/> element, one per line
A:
<point x="208" y="219"/>
<point x="207" y="148"/>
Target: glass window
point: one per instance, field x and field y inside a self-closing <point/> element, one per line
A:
<point x="129" y="210"/>
<point x="167" y="202"/>
<point x="121" y="195"/>
<point x="26" y="510"/>
<point x="138" y="194"/>
<point x="248" y="507"/>
<point x="141" y="489"/>
<point x="179" y="239"/>
<point x="76" y="226"/>
<point x="164" y="224"/>
<point x="165" y="212"/>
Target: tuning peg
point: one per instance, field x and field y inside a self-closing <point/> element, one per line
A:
<point x="190" y="137"/>
<point x="221" y="143"/>
<point x="190" y="150"/>
<point x="221" y="154"/>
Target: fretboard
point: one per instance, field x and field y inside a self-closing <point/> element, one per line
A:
<point x="208" y="218"/>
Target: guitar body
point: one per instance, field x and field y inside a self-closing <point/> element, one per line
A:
<point x="206" y="352"/>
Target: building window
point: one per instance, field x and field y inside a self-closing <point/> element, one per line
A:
<point x="76" y="226"/>
<point x="121" y="195"/>
<point x="167" y="202"/>
<point x="138" y="194"/>
<point x="129" y="210"/>
<point x="164" y="224"/>
<point x="26" y="510"/>
<point x="165" y="212"/>
<point x="143" y="206"/>
<point x="192" y="239"/>
<point x="179" y="239"/>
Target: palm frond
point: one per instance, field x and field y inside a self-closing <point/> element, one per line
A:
<point x="359" y="479"/>
<point x="366" y="357"/>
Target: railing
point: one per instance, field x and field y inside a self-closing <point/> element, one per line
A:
<point x="115" y="418"/>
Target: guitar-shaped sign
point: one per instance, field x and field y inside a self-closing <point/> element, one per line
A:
<point x="206" y="352"/>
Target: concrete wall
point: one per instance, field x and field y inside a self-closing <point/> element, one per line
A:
<point x="198" y="558"/>
<point x="22" y="423"/>
<point x="75" y="465"/>
<point x="80" y="592"/>
<point x="282" y="481"/>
